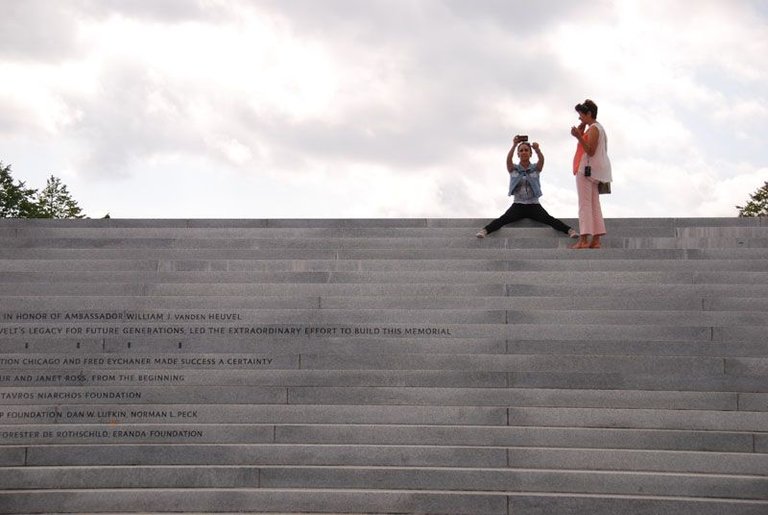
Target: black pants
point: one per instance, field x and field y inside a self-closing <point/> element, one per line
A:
<point x="532" y="211"/>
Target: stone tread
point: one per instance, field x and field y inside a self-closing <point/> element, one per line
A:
<point x="606" y="380"/>
<point x="550" y="458"/>
<point x="389" y="435"/>
<point x="553" y="278"/>
<point x="390" y="478"/>
<point x="392" y="396"/>
<point x="539" y="254"/>
<point x="365" y="501"/>
<point x="453" y="316"/>
<point x="236" y="292"/>
<point x="381" y="265"/>
<point x="370" y="243"/>
<point x="213" y="305"/>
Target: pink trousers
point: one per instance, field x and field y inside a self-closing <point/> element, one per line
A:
<point x="590" y="214"/>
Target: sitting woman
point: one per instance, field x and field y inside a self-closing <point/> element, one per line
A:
<point x="524" y="185"/>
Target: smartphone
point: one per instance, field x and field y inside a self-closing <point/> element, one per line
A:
<point x="522" y="138"/>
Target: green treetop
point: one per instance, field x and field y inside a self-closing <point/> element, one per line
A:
<point x="55" y="201"/>
<point x="758" y="206"/>
<point x="16" y="200"/>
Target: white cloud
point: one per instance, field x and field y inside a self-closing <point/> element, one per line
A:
<point x="381" y="108"/>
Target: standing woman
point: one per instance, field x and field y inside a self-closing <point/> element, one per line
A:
<point x="590" y="166"/>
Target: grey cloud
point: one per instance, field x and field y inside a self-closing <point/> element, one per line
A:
<point x="13" y="119"/>
<point x="159" y="10"/>
<point x="428" y="131"/>
<point x="47" y="30"/>
<point x="454" y="70"/>
<point x="37" y="30"/>
<point x="388" y="20"/>
<point x="118" y="126"/>
<point x="526" y="16"/>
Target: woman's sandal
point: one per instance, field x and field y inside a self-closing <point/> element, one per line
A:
<point x="579" y="245"/>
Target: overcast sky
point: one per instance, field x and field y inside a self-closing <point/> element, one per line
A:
<point x="380" y="108"/>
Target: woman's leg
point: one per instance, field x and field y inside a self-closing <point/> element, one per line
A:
<point x="590" y="214"/>
<point x="538" y="213"/>
<point x="512" y="214"/>
<point x="597" y="220"/>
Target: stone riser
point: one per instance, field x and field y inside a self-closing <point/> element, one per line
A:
<point x="366" y="361"/>
<point x="219" y="255"/>
<point x="362" y="501"/>
<point x="347" y="316"/>
<point x="383" y="396"/>
<point x="556" y="278"/>
<point x="391" y="265"/>
<point x="364" y="222"/>
<point x="553" y="458"/>
<point x="213" y="305"/>
<point x="479" y="480"/>
<point x="608" y="380"/>
<point x="531" y="231"/>
<point x="215" y="291"/>
<point x="138" y="335"/>
<point x="571" y="417"/>
<point x="133" y="304"/>
<point x="704" y="440"/>
<point x="444" y="233"/>
<point x="382" y="243"/>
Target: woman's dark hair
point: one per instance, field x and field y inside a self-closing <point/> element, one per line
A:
<point x="587" y="107"/>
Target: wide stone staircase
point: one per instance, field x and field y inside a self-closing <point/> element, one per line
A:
<point x="383" y="366"/>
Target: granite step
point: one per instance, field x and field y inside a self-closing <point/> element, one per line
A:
<point x="756" y="382"/>
<point x="394" y="365"/>
<point x="458" y="265"/>
<point x="562" y="242"/>
<point x="364" y="361"/>
<point x="741" y="486"/>
<point x="40" y="233"/>
<point x="265" y="454"/>
<point x="549" y="278"/>
<point x="235" y="290"/>
<point x="141" y="333"/>
<point x="624" y="437"/>
<point x="642" y="228"/>
<point x="362" y="501"/>
<point x="26" y="440"/>
<point x="18" y="306"/>
<point x="564" y="254"/>
<point x="379" y="265"/>
<point x="218" y="395"/>
<point x="529" y="458"/>
<point x="366" y="222"/>
<point x="392" y="314"/>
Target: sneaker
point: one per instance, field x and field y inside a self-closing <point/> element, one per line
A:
<point x="572" y="233"/>
<point x="482" y="233"/>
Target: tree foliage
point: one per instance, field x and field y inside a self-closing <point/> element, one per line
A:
<point x="18" y="201"/>
<point x="55" y="201"/>
<point x="758" y="205"/>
